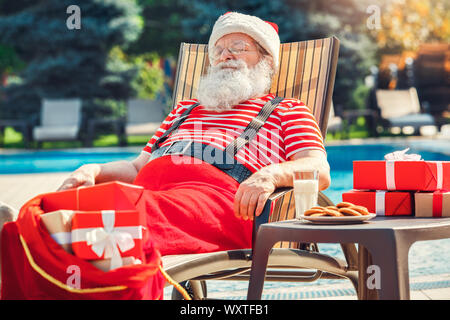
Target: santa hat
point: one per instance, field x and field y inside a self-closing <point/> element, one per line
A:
<point x="263" y="32"/>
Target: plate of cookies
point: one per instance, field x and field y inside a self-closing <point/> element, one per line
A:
<point x="341" y="213"/>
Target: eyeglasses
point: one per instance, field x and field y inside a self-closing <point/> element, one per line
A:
<point x="235" y="49"/>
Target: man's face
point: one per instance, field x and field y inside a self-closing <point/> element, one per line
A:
<point x="239" y="71"/>
<point x="236" y="46"/>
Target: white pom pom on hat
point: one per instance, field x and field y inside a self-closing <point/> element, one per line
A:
<point x="263" y="32"/>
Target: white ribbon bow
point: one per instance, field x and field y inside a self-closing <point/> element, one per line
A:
<point x="390" y="165"/>
<point x="402" y="156"/>
<point x="107" y="240"/>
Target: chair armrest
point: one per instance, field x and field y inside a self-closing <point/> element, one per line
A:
<point x="322" y="200"/>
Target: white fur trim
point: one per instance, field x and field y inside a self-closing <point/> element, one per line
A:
<point x="253" y="26"/>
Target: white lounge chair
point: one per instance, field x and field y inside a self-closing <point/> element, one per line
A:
<point x="144" y="117"/>
<point x="400" y="109"/>
<point x="60" y="120"/>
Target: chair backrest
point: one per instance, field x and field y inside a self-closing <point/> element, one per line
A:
<point x="397" y="103"/>
<point x="144" y="110"/>
<point x="306" y="72"/>
<point x="61" y="112"/>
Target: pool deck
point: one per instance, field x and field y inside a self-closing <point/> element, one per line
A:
<point x="18" y="188"/>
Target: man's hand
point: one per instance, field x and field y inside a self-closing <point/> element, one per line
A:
<point x="90" y="174"/>
<point x="83" y="176"/>
<point x="252" y="195"/>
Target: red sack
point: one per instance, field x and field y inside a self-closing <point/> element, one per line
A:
<point x="36" y="267"/>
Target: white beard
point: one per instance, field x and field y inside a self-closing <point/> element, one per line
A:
<point x="221" y="88"/>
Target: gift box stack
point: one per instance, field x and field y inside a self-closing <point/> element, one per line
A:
<point x="99" y="223"/>
<point x="402" y="184"/>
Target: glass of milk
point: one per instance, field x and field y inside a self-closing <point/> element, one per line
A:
<point x="306" y="190"/>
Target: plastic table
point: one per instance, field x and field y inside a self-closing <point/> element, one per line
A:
<point x="386" y="239"/>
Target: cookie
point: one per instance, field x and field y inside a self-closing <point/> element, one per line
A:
<point x="349" y="212"/>
<point x="361" y="209"/>
<point x="312" y="211"/>
<point x="318" y="214"/>
<point x="332" y="207"/>
<point x="344" y="205"/>
<point x="331" y="212"/>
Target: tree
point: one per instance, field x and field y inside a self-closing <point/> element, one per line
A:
<point x="63" y="62"/>
<point x="300" y="20"/>
<point x="162" y="32"/>
<point x="408" y="23"/>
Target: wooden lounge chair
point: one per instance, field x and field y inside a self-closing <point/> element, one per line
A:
<point x="60" y="120"/>
<point x="307" y="71"/>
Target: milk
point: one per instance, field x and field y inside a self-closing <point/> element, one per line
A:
<point x="305" y="195"/>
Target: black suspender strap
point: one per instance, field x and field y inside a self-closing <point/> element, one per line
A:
<point x="252" y="129"/>
<point x="174" y="126"/>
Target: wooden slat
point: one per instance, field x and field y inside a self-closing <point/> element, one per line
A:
<point x="322" y="80"/>
<point x="178" y="75"/>
<point x="299" y="72"/>
<point x="295" y="53"/>
<point x="290" y="74"/>
<point x="312" y="93"/>
<point x="199" y="63"/>
<point x="307" y="68"/>
<point x="192" y="59"/>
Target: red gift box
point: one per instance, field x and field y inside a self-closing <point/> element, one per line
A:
<point x="432" y="204"/>
<point x="108" y="234"/>
<point x="105" y="196"/>
<point x="382" y="203"/>
<point x="401" y="175"/>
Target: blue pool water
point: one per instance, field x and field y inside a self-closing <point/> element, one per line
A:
<point x="58" y="161"/>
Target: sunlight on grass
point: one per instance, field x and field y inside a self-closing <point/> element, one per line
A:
<point x="138" y="140"/>
<point x="106" y="141"/>
<point x="12" y="138"/>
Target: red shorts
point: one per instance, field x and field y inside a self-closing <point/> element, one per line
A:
<point x="190" y="208"/>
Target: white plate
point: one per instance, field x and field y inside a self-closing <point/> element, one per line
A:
<point x="339" y="220"/>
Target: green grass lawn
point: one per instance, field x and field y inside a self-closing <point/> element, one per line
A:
<point x="13" y="139"/>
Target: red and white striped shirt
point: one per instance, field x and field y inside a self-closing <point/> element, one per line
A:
<point x="290" y="128"/>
